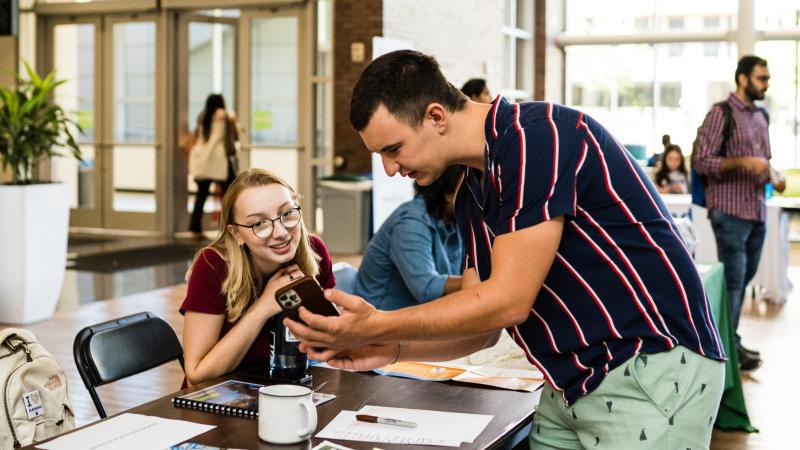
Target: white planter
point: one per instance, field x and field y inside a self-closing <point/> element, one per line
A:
<point x="34" y="223"/>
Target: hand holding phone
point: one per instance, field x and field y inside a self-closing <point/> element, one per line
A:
<point x="304" y="291"/>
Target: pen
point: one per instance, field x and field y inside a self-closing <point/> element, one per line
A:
<point x="385" y="420"/>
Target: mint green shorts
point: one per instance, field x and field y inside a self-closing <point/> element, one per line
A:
<point x="664" y="401"/>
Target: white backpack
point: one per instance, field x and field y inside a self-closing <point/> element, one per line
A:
<point x="35" y="405"/>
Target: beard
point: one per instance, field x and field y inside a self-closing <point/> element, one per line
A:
<point x="752" y="93"/>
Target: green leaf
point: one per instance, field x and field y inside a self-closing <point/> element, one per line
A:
<point x="32" y="75"/>
<point x="32" y="126"/>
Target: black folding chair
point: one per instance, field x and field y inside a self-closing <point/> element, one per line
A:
<point x="119" y="348"/>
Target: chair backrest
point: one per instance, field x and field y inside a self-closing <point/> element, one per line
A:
<point x="345" y="277"/>
<point x="109" y="351"/>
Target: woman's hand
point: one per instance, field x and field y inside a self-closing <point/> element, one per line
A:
<point x="285" y="275"/>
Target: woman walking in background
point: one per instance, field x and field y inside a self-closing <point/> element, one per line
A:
<point x="213" y="154"/>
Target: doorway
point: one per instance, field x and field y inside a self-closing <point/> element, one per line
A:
<point x="136" y="81"/>
<point x="112" y="75"/>
<point x="208" y="63"/>
<point x="258" y="60"/>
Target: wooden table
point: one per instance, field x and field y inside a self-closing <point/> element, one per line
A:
<point x="512" y="410"/>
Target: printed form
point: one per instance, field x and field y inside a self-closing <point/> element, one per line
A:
<point x="438" y="428"/>
<point x="128" y="431"/>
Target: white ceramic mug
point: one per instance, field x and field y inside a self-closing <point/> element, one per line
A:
<point x="286" y="414"/>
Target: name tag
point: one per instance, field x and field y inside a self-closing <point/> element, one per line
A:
<point x="33" y="404"/>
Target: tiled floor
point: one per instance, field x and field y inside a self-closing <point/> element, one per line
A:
<point x="82" y="287"/>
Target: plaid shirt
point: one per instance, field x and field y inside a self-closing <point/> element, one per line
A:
<point x="736" y="192"/>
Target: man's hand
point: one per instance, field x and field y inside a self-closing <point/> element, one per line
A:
<point x="362" y="358"/>
<point x="780" y="184"/>
<point x="354" y="326"/>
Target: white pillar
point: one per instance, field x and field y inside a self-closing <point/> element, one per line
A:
<point x="746" y="31"/>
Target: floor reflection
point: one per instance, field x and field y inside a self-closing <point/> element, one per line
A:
<point x="85" y="287"/>
<point x="82" y="287"/>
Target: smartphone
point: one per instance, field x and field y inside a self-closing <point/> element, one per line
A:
<point x="306" y="292"/>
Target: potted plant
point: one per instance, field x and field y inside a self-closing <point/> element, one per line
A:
<point x="34" y="214"/>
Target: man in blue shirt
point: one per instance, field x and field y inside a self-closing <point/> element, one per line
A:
<point x="569" y="249"/>
<point x="416" y="255"/>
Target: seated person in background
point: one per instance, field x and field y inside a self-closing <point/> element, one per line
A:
<point x="477" y="90"/>
<point x="672" y="177"/>
<point x="262" y="245"/>
<point x="416" y="254"/>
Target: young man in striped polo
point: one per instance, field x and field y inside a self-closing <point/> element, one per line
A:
<point x="568" y="248"/>
<point x="736" y="164"/>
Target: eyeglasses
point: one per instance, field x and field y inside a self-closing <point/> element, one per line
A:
<point x="263" y="227"/>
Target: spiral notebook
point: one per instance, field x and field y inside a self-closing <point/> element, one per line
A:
<point x="232" y="397"/>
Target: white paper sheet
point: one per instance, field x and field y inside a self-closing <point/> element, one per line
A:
<point x="128" y="431"/>
<point x="433" y="427"/>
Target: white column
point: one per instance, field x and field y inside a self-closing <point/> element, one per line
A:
<point x="746" y="32"/>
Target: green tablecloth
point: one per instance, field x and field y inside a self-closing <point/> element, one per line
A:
<point x="732" y="410"/>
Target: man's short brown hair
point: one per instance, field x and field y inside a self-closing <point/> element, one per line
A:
<point x="406" y="82"/>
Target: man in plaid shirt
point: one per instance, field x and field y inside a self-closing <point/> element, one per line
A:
<point x="737" y="168"/>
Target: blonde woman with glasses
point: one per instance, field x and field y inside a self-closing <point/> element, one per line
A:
<point x="262" y="246"/>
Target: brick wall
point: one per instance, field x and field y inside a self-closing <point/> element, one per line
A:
<point x="353" y="21"/>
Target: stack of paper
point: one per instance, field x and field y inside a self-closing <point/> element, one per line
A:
<point x="128" y="431"/>
<point x="512" y="379"/>
<point x="433" y="427"/>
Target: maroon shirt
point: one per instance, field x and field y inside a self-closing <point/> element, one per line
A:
<point x="736" y="192"/>
<point x="204" y="295"/>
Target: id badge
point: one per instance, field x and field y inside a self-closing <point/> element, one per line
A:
<point x="33" y="404"/>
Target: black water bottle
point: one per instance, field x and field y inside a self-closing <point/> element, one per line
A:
<point x="287" y="364"/>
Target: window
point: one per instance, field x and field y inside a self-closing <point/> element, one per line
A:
<point x="635" y="94"/>
<point x="783" y="57"/>
<point x="644" y="90"/>
<point x="518" y="50"/>
<point x="711" y="22"/>
<point x="781" y="100"/>
<point x="643" y="23"/>
<point x="711" y="49"/>
<point x="777" y="14"/>
<point x="640" y="84"/>
<point x="592" y="17"/>
<point x="273" y="81"/>
<point x="670" y="94"/>
<point x="675" y="23"/>
<point x="590" y="96"/>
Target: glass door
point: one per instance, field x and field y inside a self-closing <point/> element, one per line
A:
<point x="274" y="95"/>
<point x="132" y="130"/>
<point x="207" y="65"/>
<point x="75" y="47"/>
<point x="110" y="67"/>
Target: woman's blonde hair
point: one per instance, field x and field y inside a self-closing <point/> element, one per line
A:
<point x="244" y="284"/>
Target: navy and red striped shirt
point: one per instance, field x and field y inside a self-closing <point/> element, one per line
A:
<point x="622" y="281"/>
<point x="738" y="192"/>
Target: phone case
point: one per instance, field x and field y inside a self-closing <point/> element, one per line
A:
<point x="304" y="291"/>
